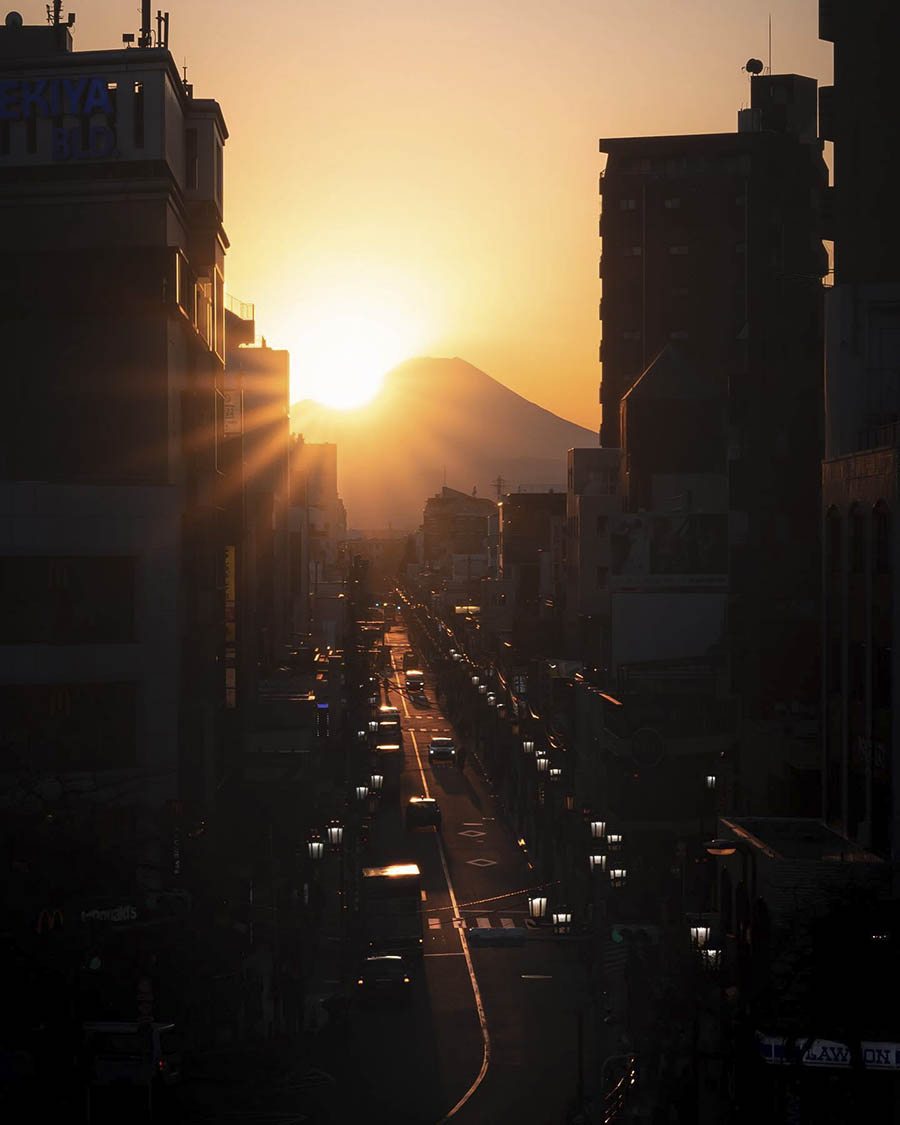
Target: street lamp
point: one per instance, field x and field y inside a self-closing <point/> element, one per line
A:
<point x="614" y="840"/>
<point x="598" y="829"/>
<point x="362" y="791"/>
<point x="617" y="876"/>
<point x="373" y="726"/>
<point x="711" y="781"/>
<point x="712" y="957"/>
<point x="542" y="762"/>
<point x="700" y="934"/>
<point x="373" y="700"/>
<point x="335" y="834"/>
<point x="537" y="907"/>
<point x="476" y="680"/>
<point x="482" y="688"/>
<point x="597" y="862"/>
<point x="724" y="847"/>
<point x="316" y="847"/>
<point x="562" y="920"/>
<point x="527" y="746"/>
<point x="361" y="735"/>
<point x="555" y="773"/>
<point x="376" y="782"/>
<point x="491" y="699"/>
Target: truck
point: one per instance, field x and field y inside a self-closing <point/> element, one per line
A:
<point x="391" y="905"/>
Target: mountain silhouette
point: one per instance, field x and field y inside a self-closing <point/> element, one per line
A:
<point x="438" y="421"/>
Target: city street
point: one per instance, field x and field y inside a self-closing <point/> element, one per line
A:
<point x="492" y="1030"/>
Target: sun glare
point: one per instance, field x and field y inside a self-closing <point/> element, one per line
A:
<point x="339" y="358"/>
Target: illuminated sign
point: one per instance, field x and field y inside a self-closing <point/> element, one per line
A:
<point x="24" y="99"/>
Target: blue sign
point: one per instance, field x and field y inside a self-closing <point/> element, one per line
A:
<point x="21" y="98"/>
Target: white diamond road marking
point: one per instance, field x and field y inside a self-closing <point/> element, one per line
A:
<point x="483" y="923"/>
<point x="434" y="923"/>
<point x="482" y="862"/>
<point x="472" y="823"/>
<point x="472" y="832"/>
<point x="507" y="923"/>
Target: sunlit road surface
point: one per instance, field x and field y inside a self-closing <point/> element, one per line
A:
<point x="426" y="1062"/>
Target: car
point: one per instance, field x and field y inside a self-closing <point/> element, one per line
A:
<point x="421" y="812"/>
<point x="415" y="681"/>
<point x="132" y="1053"/>
<point x="442" y="749"/>
<point x="383" y="977"/>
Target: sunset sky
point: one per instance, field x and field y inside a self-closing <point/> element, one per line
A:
<point x="412" y="177"/>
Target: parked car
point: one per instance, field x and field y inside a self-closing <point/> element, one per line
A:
<point x="383" y="977"/>
<point x="442" y="749"/>
<point x="422" y="812"/>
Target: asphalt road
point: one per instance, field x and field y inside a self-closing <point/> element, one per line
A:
<point x="491" y="1032"/>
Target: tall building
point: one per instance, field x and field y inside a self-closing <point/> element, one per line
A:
<point x="113" y="481"/>
<point x="712" y="249"/>
<point x="861" y="760"/>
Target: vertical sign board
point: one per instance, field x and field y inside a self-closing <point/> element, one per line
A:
<point x="232" y="389"/>
<point x="230" y="629"/>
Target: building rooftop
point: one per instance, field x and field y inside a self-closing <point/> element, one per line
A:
<point x="796" y="838"/>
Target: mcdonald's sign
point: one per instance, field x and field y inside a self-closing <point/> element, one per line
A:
<point x="49" y="920"/>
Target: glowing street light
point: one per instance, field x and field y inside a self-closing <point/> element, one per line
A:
<point x="527" y="746"/>
<point x="597" y="862"/>
<point x="316" y="847"/>
<point x="711" y="781"/>
<point x="542" y="762"/>
<point x="562" y="920"/>
<point x="598" y="829"/>
<point x="700" y="935"/>
<point x="537" y="907"/>
<point x="362" y="791"/>
<point x="555" y="773"/>
<point x="335" y="834"/>
<point x="376" y="782"/>
<point x="617" y="876"/>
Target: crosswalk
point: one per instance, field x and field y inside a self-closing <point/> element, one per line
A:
<point x="476" y="922"/>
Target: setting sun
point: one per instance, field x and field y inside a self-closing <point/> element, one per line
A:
<point x="339" y="356"/>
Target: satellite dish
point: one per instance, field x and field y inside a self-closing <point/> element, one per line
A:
<point x="754" y="66"/>
<point x="14" y="19"/>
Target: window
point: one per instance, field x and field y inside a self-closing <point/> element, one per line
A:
<point x="138" y="115"/>
<point x="672" y="203"/>
<point x="191" y="167"/>
<point x="857" y="541"/>
<point x="881" y="539"/>
<point x="602" y="577"/>
<point x="67" y="600"/>
<point x="71" y="727"/>
<point x="627" y="204"/>
<point x="633" y="251"/>
<point x="678" y="251"/>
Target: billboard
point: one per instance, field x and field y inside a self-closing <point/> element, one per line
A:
<point x="657" y="551"/>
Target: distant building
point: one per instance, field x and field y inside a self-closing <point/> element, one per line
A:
<point x="861" y="665"/>
<point x="456" y="523"/>
<point x="532" y="548"/>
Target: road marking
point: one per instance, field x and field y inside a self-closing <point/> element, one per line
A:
<point x="472" y="823"/>
<point x="427" y="791"/>
<point x="483" y="923"/>
<point x="507" y="923"/>
<point x="535" y="976"/>
<point x="482" y="862"/>
<point x="476" y="992"/>
<point x="472" y="833"/>
<point x="442" y="954"/>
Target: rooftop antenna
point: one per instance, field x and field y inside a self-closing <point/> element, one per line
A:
<point x="769" y="67"/>
<point x="162" y="29"/>
<point x="498" y="484"/>
<point x="146" y="37"/>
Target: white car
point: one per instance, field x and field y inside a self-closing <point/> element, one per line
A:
<point x="441" y="750"/>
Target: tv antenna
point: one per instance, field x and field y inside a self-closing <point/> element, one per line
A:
<point x="498" y="484"/>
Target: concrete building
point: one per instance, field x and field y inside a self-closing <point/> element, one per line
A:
<point x="861" y="666"/>
<point x="456" y="523"/>
<point x="112" y="317"/>
<point x="532" y="551"/>
<point x="712" y="267"/>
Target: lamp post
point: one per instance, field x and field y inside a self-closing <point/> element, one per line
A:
<point x="537" y="907"/>
<point x="598" y="829"/>
<point x="315" y="847"/>
<point x="723" y="847"/>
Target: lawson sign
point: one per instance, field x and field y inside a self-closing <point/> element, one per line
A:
<point x="22" y="99"/>
<point x="826" y="1052"/>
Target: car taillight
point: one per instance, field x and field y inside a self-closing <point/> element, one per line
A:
<point x="161" y="1065"/>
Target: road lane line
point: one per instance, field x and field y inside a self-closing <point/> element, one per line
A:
<point x="476" y="991"/>
<point x="412" y="735"/>
<point x="442" y="955"/>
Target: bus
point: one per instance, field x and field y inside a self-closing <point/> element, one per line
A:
<point x="389" y="728"/>
<point x="391" y="899"/>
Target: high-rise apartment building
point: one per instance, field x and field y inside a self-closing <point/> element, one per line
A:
<point x="861" y="667"/>
<point x="712" y="251"/>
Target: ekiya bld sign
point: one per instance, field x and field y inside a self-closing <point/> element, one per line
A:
<point x="22" y="99"/>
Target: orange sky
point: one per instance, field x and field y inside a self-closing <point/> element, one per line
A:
<point x="432" y="166"/>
